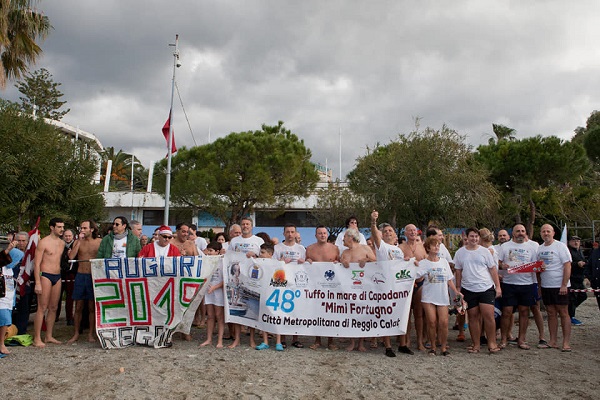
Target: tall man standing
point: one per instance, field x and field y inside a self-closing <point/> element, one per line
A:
<point x="385" y="249"/>
<point x="322" y="251"/>
<point x="248" y="244"/>
<point x="47" y="281"/>
<point x="84" y="249"/>
<point x="577" y="274"/>
<point x="517" y="289"/>
<point x="554" y="283"/>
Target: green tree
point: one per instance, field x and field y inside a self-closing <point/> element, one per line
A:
<point x="44" y="173"/>
<point x="41" y="91"/>
<point x="426" y="175"/>
<point x="20" y="29"/>
<point x="591" y="143"/>
<point x="228" y="177"/>
<point x="522" y="169"/>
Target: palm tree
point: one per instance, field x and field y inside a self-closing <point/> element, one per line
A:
<point x="120" y="175"/>
<point x="503" y="132"/>
<point x="20" y="27"/>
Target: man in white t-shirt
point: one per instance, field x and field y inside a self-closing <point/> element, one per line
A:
<point x="384" y="239"/>
<point x="477" y="279"/>
<point x="246" y="243"/>
<point x="554" y="283"/>
<point x="517" y="289"/>
<point x="289" y="250"/>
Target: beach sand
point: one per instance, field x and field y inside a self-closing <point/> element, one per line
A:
<point x="185" y="371"/>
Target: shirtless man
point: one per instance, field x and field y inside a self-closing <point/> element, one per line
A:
<point x="84" y="250"/>
<point x="356" y="253"/>
<point x="413" y="248"/>
<point x="322" y="251"/>
<point x="186" y="247"/>
<point x="47" y="284"/>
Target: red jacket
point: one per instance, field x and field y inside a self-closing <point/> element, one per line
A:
<point x="148" y="251"/>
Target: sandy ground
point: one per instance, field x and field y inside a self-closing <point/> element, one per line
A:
<point x="188" y="372"/>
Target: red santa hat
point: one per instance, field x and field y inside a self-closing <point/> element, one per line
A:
<point x="165" y="230"/>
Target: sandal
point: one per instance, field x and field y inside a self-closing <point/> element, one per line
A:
<point x="494" y="350"/>
<point x="542" y="344"/>
<point x="314" y="346"/>
<point x="524" y="346"/>
<point x="298" y="345"/>
<point x="460" y="338"/>
<point x="333" y="347"/>
<point x="472" y="350"/>
<point x="431" y="352"/>
<point x="445" y="353"/>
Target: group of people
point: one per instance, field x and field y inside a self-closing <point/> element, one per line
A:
<point x="475" y="279"/>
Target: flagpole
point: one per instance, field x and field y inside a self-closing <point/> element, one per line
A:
<point x="168" y="177"/>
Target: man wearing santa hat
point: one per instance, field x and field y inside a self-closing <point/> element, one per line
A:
<point x="162" y="247"/>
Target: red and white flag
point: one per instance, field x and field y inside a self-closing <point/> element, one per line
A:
<point x="165" y="131"/>
<point x="27" y="264"/>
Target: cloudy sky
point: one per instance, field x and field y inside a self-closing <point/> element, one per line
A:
<point x="367" y="69"/>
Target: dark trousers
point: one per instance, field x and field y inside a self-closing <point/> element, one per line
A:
<point x="575" y="300"/>
<point x="21" y="313"/>
<point x="67" y="287"/>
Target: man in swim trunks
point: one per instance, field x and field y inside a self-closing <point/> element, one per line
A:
<point x="47" y="283"/>
<point x="84" y="250"/>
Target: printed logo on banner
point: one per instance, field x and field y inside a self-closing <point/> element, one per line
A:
<point x="278" y="279"/>
<point x="403" y="275"/>
<point x="329" y="275"/>
<point x="357" y="277"/>
<point x="301" y="279"/>
<point x="378" y="278"/>
<point x="255" y="273"/>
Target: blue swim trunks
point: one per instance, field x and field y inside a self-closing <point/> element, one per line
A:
<point x="83" y="288"/>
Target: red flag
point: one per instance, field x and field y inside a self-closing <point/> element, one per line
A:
<point x="165" y="131"/>
<point x="27" y="263"/>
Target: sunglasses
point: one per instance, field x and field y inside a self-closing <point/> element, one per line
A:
<point x="166" y="237"/>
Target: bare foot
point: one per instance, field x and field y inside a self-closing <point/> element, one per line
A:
<point x="219" y="345"/>
<point x="207" y="343"/>
<point x="187" y="337"/>
<point x="233" y="345"/>
<point x="91" y="339"/>
<point x="362" y="348"/>
<point x="52" y="340"/>
<point x="73" y="339"/>
<point x="421" y="348"/>
<point x="4" y="350"/>
<point x="39" y="343"/>
<point x="350" y="348"/>
<point x="253" y="344"/>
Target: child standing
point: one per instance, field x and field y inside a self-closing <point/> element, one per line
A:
<point x="214" y="299"/>
<point x="266" y="251"/>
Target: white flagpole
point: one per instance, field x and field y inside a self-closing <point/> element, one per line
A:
<point x="340" y="154"/>
<point x="170" y="145"/>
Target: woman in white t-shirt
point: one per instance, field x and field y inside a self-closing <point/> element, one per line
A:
<point x="437" y="277"/>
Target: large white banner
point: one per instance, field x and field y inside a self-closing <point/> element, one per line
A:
<point x="146" y="300"/>
<point x="320" y="299"/>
